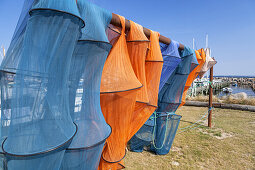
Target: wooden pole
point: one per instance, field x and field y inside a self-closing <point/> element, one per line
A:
<point x="116" y="22"/>
<point x="210" y="98"/>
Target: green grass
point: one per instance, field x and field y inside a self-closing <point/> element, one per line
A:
<point x="230" y="144"/>
<point x="228" y="100"/>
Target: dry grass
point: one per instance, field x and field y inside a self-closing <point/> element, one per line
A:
<point x="228" y="145"/>
<point x="228" y="99"/>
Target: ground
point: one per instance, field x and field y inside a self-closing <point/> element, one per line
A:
<point x="230" y="144"/>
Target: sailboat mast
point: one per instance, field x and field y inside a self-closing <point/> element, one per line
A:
<point x="206" y="41"/>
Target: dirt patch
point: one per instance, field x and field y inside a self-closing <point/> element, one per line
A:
<point x="217" y="133"/>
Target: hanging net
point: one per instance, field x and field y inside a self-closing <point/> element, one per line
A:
<point x="119" y="86"/>
<point x="7" y="73"/>
<point x="40" y="126"/>
<point x="171" y="94"/>
<point x="138" y="44"/>
<point x="209" y="62"/>
<point x="171" y="59"/>
<point x="169" y="100"/>
<point x="200" y="55"/>
<point x="163" y="135"/>
<point x="85" y="78"/>
<point x="143" y="61"/>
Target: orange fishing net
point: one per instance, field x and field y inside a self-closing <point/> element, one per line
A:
<point x="148" y="70"/>
<point x="200" y="55"/>
<point x="119" y="87"/>
<point x="125" y="103"/>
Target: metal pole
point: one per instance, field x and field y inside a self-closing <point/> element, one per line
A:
<point x="206" y="41"/>
<point x="193" y="43"/>
<point x="116" y="22"/>
<point x="210" y="98"/>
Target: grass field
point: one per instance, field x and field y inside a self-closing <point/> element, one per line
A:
<point x="230" y="144"/>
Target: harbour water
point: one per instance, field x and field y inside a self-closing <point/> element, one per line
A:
<point x="238" y="89"/>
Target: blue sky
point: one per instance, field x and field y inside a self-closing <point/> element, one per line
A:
<point x="230" y="25"/>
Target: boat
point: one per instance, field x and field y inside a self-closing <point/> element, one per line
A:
<point x="227" y="90"/>
<point x="234" y="84"/>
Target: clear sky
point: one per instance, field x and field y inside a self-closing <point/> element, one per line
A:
<point x="230" y="25"/>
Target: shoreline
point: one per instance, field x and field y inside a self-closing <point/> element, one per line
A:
<point x="221" y="105"/>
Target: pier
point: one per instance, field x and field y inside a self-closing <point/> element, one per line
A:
<point x="202" y="86"/>
<point x="248" y="81"/>
<point x="253" y="85"/>
<point x="199" y="88"/>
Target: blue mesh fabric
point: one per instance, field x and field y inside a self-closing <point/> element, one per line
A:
<point x="6" y="78"/>
<point x="163" y="131"/>
<point x="143" y="137"/>
<point x="11" y="60"/>
<point x="85" y="78"/>
<point x="171" y="59"/>
<point x="169" y="100"/>
<point x="40" y="123"/>
<point x="171" y="94"/>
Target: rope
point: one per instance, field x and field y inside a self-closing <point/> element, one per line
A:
<point x="211" y="84"/>
<point x="203" y="118"/>
<point x="154" y="130"/>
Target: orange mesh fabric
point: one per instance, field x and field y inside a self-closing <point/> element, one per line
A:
<point x="138" y="44"/>
<point x="200" y="55"/>
<point x="119" y="87"/>
<point x="153" y="66"/>
<point x="153" y="69"/>
<point x="138" y="47"/>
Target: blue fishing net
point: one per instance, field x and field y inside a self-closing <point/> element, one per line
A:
<point x="143" y="137"/>
<point x="163" y="131"/>
<point x="163" y="135"/>
<point x="7" y="73"/>
<point x="11" y="60"/>
<point x="40" y="125"/>
<point x="171" y="59"/>
<point x="85" y="78"/>
<point x="171" y="94"/>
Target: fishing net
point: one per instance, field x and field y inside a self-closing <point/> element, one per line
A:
<point x="171" y="94"/>
<point x="143" y="61"/>
<point x="200" y="55"/>
<point x="209" y="62"/>
<point x="40" y="124"/>
<point x="171" y="59"/>
<point x="157" y="138"/>
<point x="163" y="135"/>
<point x="169" y="100"/>
<point x="11" y="60"/>
<point x="119" y="87"/>
<point x="85" y="78"/>
<point x="7" y="73"/>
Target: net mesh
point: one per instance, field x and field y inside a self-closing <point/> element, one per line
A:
<point x="40" y="126"/>
<point x="119" y="87"/>
<point x="143" y="61"/>
<point x="84" y="84"/>
<point x="165" y="127"/>
<point x="200" y="55"/>
<point x="171" y="59"/>
<point x="10" y="62"/>
<point x="168" y="102"/>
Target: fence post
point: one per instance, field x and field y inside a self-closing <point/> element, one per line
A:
<point x="210" y="98"/>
